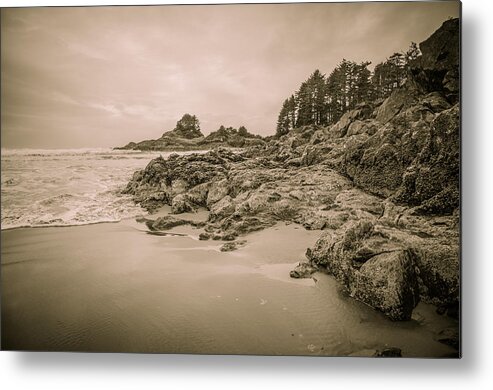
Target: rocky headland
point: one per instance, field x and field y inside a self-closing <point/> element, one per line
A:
<point x="381" y="185"/>
<point x="188" y="136"/>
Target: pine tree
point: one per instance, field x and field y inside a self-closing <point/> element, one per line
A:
<point x="188" y="127"/>
<point x="412" y="53"/>
<point x="283" y="120"/>
<point x="322" y="100"/>
<point x="243" y="131"/>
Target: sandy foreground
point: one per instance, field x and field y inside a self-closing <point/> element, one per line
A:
<point x="114" y="287"/>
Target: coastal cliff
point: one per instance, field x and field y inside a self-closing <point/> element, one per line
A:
<point x="381" y="184"/>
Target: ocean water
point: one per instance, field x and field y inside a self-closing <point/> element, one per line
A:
<point x="67" y="187"/>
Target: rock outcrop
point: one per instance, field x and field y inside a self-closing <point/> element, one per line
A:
<point x="187" y="136"/>
<point x="406" y="147"/>
<point x="389" y="268"/>
<point x="386" y="255"/>
<point x="437" y="69"/>
<point x="382" y="184"/>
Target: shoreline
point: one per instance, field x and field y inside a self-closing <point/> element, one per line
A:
<point x="186" y="278"/>
<point x="339" y="234"/>
<point x="62" y="226"/>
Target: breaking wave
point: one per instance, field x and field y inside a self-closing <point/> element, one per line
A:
<point x="68" y="187"/>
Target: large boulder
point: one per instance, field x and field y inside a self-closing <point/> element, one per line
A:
<point x="398" y="100"/>
<point x="340" y="128"/>
<point x="439" y="271"/>
<point x="389" y="283"/>
<point x="373" y="269"/>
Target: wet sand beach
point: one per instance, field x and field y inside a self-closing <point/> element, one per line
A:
<point x="115" y="287"/>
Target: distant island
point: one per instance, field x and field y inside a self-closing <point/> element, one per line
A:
<point x="187" y="136"/>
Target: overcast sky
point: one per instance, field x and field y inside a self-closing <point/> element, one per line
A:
<point x="104" y="76"/>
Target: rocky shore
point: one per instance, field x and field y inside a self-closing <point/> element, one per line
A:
<point x="381" y="185"/>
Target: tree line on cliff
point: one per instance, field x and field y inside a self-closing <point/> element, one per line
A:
<point x="322" y="100"/>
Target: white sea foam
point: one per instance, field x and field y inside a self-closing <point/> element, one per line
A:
<point x="67" y="186"/>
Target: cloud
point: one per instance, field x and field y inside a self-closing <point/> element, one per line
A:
<point x="109" y="108"/>
<point x="103" y="76"/>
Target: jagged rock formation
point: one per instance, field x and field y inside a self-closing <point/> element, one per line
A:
<point x="382" y="183"/>
<point x="438" y="67"/>
<point x="187" y="136"/>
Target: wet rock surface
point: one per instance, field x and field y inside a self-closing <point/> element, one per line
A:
<point x="388" y="352"/>
<point x="449" y="336"/>
<point x="303" y="270"/>
<point x="382" y="186"/>
<point x="384" y="352"/>
<point x="232" y="246"/>
<point x="386" y="254"/>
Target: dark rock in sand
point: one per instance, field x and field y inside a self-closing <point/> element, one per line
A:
<point x="165" y="223"/>
<point x="229" y="237"/>
<point x="389" y="352"/>
<point x="372" y="269"/>
<point x="303" y="270"/>
<point x="385" y="352"/>
<point x="204" y="236"/>
<point x="232" y="246"/>
<point x="389" y="283"/>
<point x="449" y="336"/>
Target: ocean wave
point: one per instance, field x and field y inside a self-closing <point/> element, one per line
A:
<point x="13" y="155"/>
<point x="56" y="199"/>
<point x="43" y="152"/>
<point x="71" y="210"/>
<point x="55" y="223"/>
<point x="68" y="187"/>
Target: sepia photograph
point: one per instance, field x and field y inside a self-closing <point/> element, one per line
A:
<point x="232" y="179"/>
